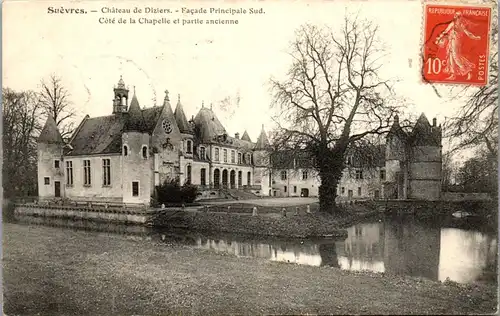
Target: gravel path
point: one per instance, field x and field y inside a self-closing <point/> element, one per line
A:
<point x="57" y="271"/>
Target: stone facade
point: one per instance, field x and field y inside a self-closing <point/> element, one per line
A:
<point x="123" y="156"/>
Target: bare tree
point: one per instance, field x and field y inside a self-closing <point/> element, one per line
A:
<point x="21" y="125"/>
<point x="475" y="125"/>
<point x="55" y="100"/>
<point x="332" y="98"/>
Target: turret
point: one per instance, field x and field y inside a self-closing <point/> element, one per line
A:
<point x="50" y="161"/>
<point x="180" y="118"/>
<point x="120" y="101"/>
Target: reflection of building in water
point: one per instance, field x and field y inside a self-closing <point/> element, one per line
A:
<point x="363" y="249"/>
<point x="306" y="254"/>
<point x="465" y="255"/>
<point x="413" y="250"/>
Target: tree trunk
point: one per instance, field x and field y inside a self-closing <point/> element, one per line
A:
<point x="330" y="168"/>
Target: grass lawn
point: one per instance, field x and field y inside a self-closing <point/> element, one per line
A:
<point x="56" y="271"/>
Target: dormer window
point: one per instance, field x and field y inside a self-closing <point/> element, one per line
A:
<point x="145" y="152"/>
<point x="125" y="150"/>
<point x="202" y="153"/>
<point x="189" y="147"/>
<point x="239" y="158"/>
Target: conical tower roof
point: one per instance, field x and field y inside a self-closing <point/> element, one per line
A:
<point x="262" y="141"/>
<point x="135" y="121"/>
<point x="180" y="118"/>
<point x="422" y="134"/>
<point x="245" y="136"/>
<point x="208" y="125"/>
<point x="50" y="133"/>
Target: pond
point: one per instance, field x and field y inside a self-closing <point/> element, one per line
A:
<point x="395" y="246"/>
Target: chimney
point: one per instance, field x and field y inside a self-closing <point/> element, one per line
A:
<point x="434" y="122"/>
<point x="237" y="135"/>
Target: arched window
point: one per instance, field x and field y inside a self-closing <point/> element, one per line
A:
<point x="124" y="101"/>
<point x="125" y="150"/>
<point x="145" y="152"/>
<point x="189" y="147"/>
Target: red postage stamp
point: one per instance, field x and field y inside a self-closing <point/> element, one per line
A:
<point x="456" y="44"/>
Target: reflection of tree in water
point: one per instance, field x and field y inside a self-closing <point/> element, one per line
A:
<point x="328" y="253"/>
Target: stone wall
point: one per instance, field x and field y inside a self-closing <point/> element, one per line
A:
<point x="136" y="216"/>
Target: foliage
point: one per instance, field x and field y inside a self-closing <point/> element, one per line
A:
<point x="172" y="192"/>
<point x="332" y="98"/>
<point x="21" y="125"/>
<point x="479" y="174"/>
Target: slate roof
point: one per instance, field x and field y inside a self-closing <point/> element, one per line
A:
<point x="423" y="134"/>
<point x="284" y="159"/>
<point x="208" y="126"/>
<point x="246" y="137"/>
<point x="50" y="133"/>
<point x="262" y="141"/>
<point x="103" y="135"/>
<point x="180" y="118"/>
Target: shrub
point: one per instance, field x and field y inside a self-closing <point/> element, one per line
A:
<point x="171" y="192"/>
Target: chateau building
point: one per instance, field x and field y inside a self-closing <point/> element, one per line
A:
<point x="121" y="157"/>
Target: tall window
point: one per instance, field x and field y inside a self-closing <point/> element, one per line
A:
<point x="248" y="159"/>
<point x="285" y="188"/>
<point x="304" y="175"/>
<point x="294" y="189"/>
<point x="125" y="150"/>
<point x="283" y="175"/>
<point x="135" y="188"/>
<point x="69" y="173"/>
<point x="359" y="174"/>
<point x="239" y="158"/>
<point x="216" y="158"/>
<point x="233" y="156"/>
<point x="359" y="191"/>
<point x="382" y="174"/>
<point x="106" y="172"/>
<point x="249" y="178"/>
<point x="202" y="153"/>
<point x="240" y="178"/>
<point x="145" y="152"/>
<point x="56" y="164"/>
<point x="189" y="147"/>
<point x="225" y="155"/>
<point x="203" y="176"/>
<point x="343" y="190"/>
<point x="87" y="180"/>
<point x="188" y="174"/>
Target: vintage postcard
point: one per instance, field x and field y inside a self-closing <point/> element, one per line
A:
<point x="250" y="157"/>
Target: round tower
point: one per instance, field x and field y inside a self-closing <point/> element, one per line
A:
<point x="50" y="161"/>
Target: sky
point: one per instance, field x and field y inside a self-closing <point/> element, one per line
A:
<point x="202" y="63"/>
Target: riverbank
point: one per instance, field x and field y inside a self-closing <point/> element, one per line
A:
<point x="294" y="222"/>
<point x="53" y="271"/>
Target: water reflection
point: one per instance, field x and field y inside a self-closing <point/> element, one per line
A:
<point x="403" y="247"/>
<point x="406" y="248"/>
